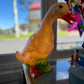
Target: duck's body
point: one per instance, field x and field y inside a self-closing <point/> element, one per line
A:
<point x="40" y="44"/>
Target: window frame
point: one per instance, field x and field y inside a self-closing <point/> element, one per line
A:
<point x="55" y="54"/>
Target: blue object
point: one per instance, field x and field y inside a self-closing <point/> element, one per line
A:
<point x="79" y="28"/>
<point x="81" y="61"/>
<point x="75" y="9"/>
<point x="81" y="58"/>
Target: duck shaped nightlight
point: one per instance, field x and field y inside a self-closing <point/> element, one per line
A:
<point x="41" y="43"/>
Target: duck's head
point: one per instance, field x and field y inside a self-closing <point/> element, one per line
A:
<point x="61" y="11"/>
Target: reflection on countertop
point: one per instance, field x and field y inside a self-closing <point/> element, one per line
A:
<point x="59" y="75"/>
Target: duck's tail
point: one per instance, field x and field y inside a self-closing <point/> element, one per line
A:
<point x="19" y="56"/>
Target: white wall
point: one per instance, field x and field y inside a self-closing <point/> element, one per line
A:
<point x="34" y="14"/>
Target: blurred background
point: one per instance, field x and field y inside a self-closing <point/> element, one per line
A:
<point x="19" y="19"/>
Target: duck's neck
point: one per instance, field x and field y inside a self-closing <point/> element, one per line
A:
<point x="46" y="25"/>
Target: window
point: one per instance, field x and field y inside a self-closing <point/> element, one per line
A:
<point x="65" y="39"/>
<point x="64" y="44"/>
<point x="18" y="17"/>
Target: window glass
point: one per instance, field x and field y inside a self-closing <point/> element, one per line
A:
<point x="19" y="19"/>
<point x="66" y="39"/>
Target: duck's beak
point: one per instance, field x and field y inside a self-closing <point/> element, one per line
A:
<point x="69" y="18"/>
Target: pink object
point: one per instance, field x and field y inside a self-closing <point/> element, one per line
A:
<point x="73" y="26"/>
<point x="77" y="15"/>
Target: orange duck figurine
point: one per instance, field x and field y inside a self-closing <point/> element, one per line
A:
<point x="41" y="43"/>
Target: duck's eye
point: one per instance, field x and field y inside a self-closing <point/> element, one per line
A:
<point x="60" y="6"/>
